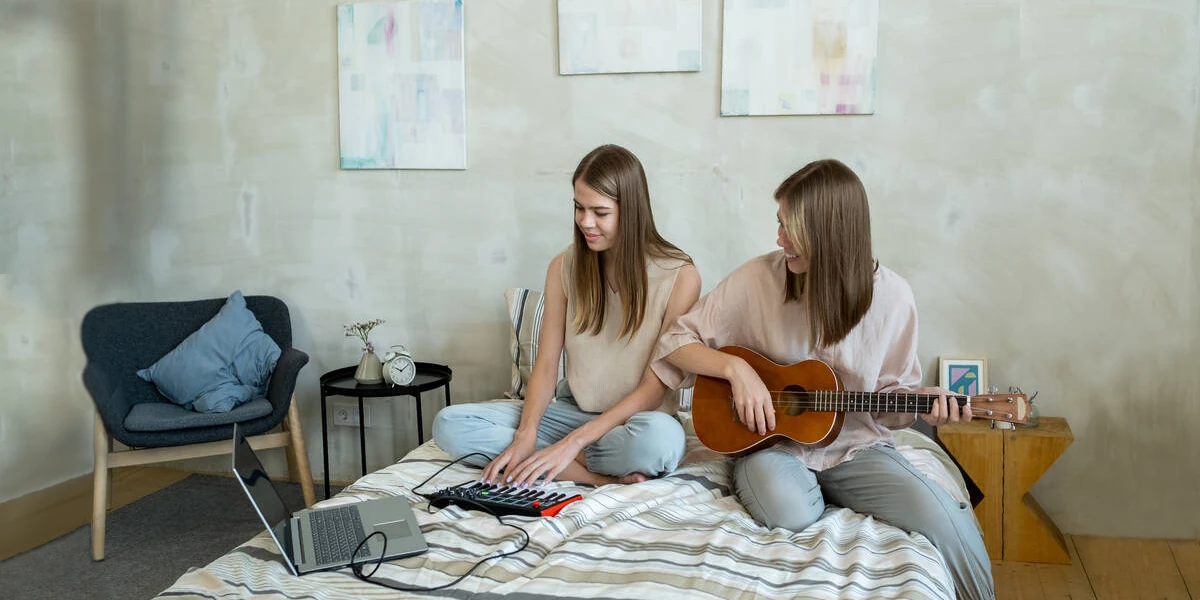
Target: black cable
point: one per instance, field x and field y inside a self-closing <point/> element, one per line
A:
<point x="357" y="567"/>
<point x="439" y="472"/>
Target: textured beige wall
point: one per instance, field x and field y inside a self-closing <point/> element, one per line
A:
<point x="1032" y="170"/>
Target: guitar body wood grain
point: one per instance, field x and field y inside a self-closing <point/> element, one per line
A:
<point x="719" y="428"/>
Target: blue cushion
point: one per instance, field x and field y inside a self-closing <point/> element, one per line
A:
<point x="228" y="361"/>
<point x="160" y="416"/>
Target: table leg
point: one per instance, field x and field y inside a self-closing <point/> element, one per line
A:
<point x="420" y="421"/>
<point x="447" y="394"/>
<point x="324" y="443"/>
<point x="1029" y="534"/>
<point x="362" y="440"/>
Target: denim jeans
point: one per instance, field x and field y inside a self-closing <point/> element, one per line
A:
<point x="651" y="442"/>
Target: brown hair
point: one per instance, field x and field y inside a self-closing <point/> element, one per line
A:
<point x="824" y="212"/>
<point x="616" y="173"/>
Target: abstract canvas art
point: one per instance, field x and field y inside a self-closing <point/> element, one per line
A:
<point x="402" y="85"/>
<point x="628" y="36"/>
<point x="963" y="375"/>
<point x="799" y="57"/>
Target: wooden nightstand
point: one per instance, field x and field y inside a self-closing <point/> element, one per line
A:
<point x="1006" y="463"/>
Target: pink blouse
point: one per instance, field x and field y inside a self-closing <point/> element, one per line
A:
<point x="748" y="309"/>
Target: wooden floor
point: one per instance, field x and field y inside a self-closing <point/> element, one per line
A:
<point x="36" y="518"/>
<point x="1107" y="569"/>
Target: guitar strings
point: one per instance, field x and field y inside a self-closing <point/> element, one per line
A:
<point x="817" y="398"/>
<point x="831" y="399"/>
<point x="841" y="393"/>
<point x="837" y="401"/>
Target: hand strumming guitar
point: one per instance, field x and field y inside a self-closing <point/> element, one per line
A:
<point x="752" y="399"/>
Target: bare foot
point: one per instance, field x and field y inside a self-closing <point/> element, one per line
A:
<point x="578" y="472"/>
<point x="632" y="478"/>
<point x="598" y="480"/>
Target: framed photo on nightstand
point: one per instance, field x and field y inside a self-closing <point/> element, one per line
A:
<point x="963" y="375"/>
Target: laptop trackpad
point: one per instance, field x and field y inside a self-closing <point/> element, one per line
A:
<point x="394" y="530"/>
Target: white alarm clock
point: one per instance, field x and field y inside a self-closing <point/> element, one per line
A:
<point x="398" y="366"/>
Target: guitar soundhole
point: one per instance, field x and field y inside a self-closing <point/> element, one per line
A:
<point x="792" y="400"/>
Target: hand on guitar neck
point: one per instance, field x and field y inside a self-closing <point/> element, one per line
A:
<point x="763" y="403"/>
<point x="948" y="407"/>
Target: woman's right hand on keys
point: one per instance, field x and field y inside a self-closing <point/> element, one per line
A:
<point x="520" y="449"/>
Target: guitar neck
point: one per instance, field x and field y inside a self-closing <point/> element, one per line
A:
<point x="871" y="402"/>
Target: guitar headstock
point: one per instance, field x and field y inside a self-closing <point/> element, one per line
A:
<point x="1010" y="408"/>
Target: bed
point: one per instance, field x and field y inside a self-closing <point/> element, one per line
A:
<point x="680" y="536"/>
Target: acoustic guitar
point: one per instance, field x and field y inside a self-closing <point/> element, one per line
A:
<point x="811" y="404"/>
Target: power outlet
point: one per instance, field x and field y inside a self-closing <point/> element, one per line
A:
<point x="346" y="413"/>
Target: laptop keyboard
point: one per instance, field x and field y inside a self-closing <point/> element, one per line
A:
<point x="336" y="532"/>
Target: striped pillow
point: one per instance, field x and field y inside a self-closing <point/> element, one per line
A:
<point x="525" y="311"/>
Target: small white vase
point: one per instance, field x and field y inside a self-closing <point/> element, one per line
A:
<point x="370" y="370"/>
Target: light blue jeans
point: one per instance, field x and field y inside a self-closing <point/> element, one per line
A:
<point x="780" y="491"/>
<point x="650" y="443"/>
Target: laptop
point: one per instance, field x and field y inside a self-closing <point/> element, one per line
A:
<point x="321" y="539"/>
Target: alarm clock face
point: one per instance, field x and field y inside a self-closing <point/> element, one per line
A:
<point x="401" y="370"/>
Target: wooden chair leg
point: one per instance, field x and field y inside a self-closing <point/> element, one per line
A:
<point x="298" y="457"/>
<point x="99" y="490"/>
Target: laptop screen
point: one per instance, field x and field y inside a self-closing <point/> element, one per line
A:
<point x="262" y="492"/>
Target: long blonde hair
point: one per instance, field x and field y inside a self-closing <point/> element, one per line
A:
<point x="617" y="174"/>
<point x="824" y="212"/>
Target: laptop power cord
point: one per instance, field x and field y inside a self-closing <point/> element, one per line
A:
<point x="357" y="567"/>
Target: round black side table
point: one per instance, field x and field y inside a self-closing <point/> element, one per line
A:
<point x="340" y="382"/>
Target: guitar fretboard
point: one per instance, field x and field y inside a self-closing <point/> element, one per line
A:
<point x="871" y="402"/>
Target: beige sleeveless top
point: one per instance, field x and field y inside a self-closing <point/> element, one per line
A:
<point x="602" y="369"/>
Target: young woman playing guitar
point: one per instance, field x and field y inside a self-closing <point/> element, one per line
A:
<point x="824" y="296"/>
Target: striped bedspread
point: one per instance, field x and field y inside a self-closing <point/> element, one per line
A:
<point x="682" y="536"/>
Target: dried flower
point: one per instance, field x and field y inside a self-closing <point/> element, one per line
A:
<point x="362" y="330"/>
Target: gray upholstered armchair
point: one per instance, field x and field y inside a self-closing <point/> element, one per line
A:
<point x="119" y="339"/>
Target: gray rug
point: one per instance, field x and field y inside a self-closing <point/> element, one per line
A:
<point x="150" y="543"/>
